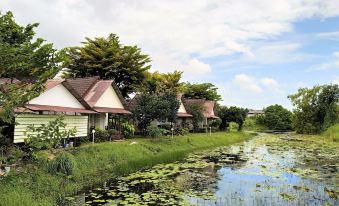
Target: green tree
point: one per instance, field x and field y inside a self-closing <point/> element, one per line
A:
<point x="276" y="117"/>
<point x="316" y="109"/>
<point x="232" y="114"/>
<point x="201" y="91"/>
<point x="26" y="58"/>
<point x="196" y="110"/>
<point x="160" y="83"/>
<point x="109" y="59"/>
<point x="151" y="107"/>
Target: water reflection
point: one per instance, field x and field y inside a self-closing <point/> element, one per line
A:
<point x="268" y="170"/>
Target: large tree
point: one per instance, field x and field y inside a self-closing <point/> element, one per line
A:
<point x="25" y="58"/>
<point x="160" y="83"/>
<point x="150" y="107"/>
<point x="316" y="108"/>
<point x="232" y="114"/>
<point x="276" y="117"/>
<point x="109" y="59"/>
<point x="201" y="91"/>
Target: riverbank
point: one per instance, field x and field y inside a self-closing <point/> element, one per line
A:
<point x="33" y="185"/>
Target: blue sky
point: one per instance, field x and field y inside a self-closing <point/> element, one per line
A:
<point x="256" y="51"/>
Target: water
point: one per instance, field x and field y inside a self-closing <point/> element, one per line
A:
<point x="268" y="170"/>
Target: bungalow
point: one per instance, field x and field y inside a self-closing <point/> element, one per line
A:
<point x="208" y="112"/>
<point x="86" y="103"/>
<point x="254" y="112"/>
<point x="103" y="97"/>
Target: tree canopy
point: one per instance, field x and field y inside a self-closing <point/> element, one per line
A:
<point x="150" y="107"/>
<point x="196" y="110"/>
<point x="232" y="114"/>
<point x="159" y="83"/>
<point x="109" y="59"/>
<point x="316" y="109"/>
<point x="206" y="91"/>
<point x="26" y="58"/>
<point x="276" y="117"/>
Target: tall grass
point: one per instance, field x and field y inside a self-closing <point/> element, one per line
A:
<point x="99" y="162"/>
<point x="332" y="133"/>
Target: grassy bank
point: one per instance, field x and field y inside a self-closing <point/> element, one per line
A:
<point x="332" y="133"/>
<point x="33" y="185"/>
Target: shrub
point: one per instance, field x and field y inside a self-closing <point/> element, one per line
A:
<point x="154" y="131"/>
<point x="127" y="129"/>
<point x="215" y="123"/>
<point x="182" y="131"/>
<point x="276" y="117"/>
<point x="63" y="164"/>
<point x="48" y="135"/>
<point x="233" y="126"/>
<point x="101" y="135"/>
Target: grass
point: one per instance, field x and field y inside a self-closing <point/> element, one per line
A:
<point x="332" y="133"/>
<point x="33" y="185"/>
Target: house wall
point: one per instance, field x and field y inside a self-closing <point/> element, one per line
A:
<point x="181" y="108"/>
<point x="57" y="96"/>
<point x="98" y="120"/>
<point x="24" y="120"/>
<point x="109" y="99"/>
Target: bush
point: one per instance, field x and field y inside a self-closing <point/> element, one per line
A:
<point x="63" y="164"/>
<point x="215" y="123"/>
<point x="276" y="117"/>
<point x="233" y="126"/>
<point x="101" y="135"/>
<point x="154" y="131"/>
<point x="127" y="129"/>
<point x="182" y="131"/>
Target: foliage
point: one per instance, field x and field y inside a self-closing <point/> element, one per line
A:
<point x="276" y="117"/>
<point x="201" y="91"/>
<point x="251" y="124"/>
<point x="48" y="135"/>
<point x="96" y="164"/>
<point x="109" y="59"/>
<point x="151" y="107"/>
<point x="155" y="131"/>
<point x="101" y="135"/>
<point x="215" y="123"/>
<point x="196" y="110"/>
<point x="26" y="58"/>
<point x="127" y="129"/>
<point x="160" y="83"/>
<point x="232" y="114"/>
<point x="63" y="164"/>
<point x="332" y="133"/>
<point x="181" y="131"/>
<point x="316" y="109"/>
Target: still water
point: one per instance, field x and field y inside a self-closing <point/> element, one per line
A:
<point x="283" y="169"/>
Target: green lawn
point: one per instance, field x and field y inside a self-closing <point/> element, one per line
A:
<point x="95" y="164"/>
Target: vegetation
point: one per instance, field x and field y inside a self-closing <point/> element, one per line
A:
<point x="316" y="108"/>
<point x="47" y="136"/>
<point x="251" y="124"/>
<point x="232" y="114"/>
<point x="62" y="164"/>
<point x="201" y="91"/>
<point x="34" y="185"/>
<point x="26" y="58"/>
<point x="151" y="107"/>
<point x="196" y="110"/>
<point x="154" y="131"/>
<point x="109" y="59"/>
<point x="276" y="117"/>
<point x="332" y="133"/>
<point x="127" y="129"/>
<point x="160" y="83"/>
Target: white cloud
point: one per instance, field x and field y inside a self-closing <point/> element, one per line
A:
<point x="269" y="82"/>
<point x="174" y="31"/>
<point x="247" y="82"/>
<point x="329" y="35"/>
<point x="194" y="66"/>
<point x="331" y="63"/>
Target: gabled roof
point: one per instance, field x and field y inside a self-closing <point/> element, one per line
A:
<point x="207" y="104"/>
<point x="89" y="90"/>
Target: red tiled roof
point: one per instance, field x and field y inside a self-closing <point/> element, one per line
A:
<point x="208" y="105"/>
<point x="111" y="110"/>
<point x="82" y="85"/>
<point x="35" y="107"/>
<point x="181" y="114"/>
<point x="96" y="91"/>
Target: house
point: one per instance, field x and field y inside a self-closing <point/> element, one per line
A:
<point x="86" y="103"/>
<point x="208" y="112"/>
<point x="56" y="99"/>
<point x="254" y="112"/>
<point x="182" y="115"/>
<point x="101" y="96"/>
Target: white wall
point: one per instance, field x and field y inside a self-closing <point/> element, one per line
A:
<point x="109" y="99"/>
<point x="182" y="108"/>
<point x="24" y="120"/>
<point x="57" y="96"/>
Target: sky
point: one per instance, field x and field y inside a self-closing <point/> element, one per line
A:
<point x="256" y="52"/>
